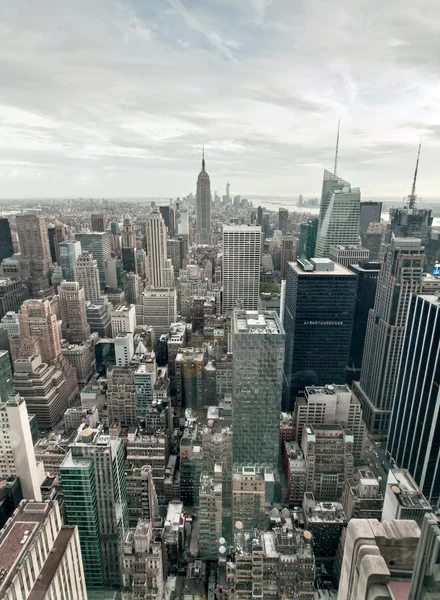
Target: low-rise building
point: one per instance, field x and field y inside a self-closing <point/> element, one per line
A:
<point x="403" y="498"/>
<point x="362" y="498"/>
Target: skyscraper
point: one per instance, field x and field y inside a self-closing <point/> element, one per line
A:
<point x="129" y="245"/>
<point x="37" y="319"/>
<point x="319" y="310"/>
<point x="159" y="267"/>
<point x="69" y="252"/>
<point x="5" y="376"/>
<point x="367" y="275"/>
<point x="258" y="346"/>
<point x="241" y="266"/>
<point x="400" y="277"/>
<point x="307" y="239"/>
<point x="370" y="212"/>
<point x="340" y="225"/>
<point x="12" y="295"/>
<point x="93" y="480"/>
<point x="35" y="258"/>
<point x="98" y="244"/>
<point x="283" y="216"/>
<point x="74" y="328"/>
<point x="414" y="435"/>
<point x="98" y="221"/>
<point x="6" y="247"/>
<point x="203" y="207"/>
<point x="87" y="275"/>
<point x="288" y="253"/>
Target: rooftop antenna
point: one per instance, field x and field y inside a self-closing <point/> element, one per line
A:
<point x="337" y="149"/>
<point x="413" y="197"/>
<point x="203" y="158"/>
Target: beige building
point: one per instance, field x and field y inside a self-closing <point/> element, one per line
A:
<point x="40" y="558"/>
<point x="248" y="497"/>
<point x="121" y="395"/>
<point x="160" y="272"/>
<point x="35" y="258"/>
<point x="72" y="301"/>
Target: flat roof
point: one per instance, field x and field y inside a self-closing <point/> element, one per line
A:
<point x="257" y="321"/>
<point x="338" y="270"/>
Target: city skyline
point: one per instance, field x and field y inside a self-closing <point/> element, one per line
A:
<point x="64" y="137"/>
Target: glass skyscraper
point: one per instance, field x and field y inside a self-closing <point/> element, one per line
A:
<point x="258" y="345"/>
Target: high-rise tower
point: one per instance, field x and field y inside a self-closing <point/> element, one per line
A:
<point x="69" y="252"/>
<point x="241" y="266"/>
<point x="129" y="245"/>
<point x="75" y="328"/>
<point x="6" y="246"/>
<point x="400" y="277"/>
<point x="414" y="438"/>
<point x="159" y="267"/>
<point x="258" y="346"/>
<point x="203" y="206"/>
<point x="98" y="244"/>
<point x="35" y="258"/>
<point x="87" y="275"/>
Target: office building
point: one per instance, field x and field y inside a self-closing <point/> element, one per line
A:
<point x="93" y="481"/>
<point x="378" y="559"/>
<point x="121" y="396"/>
<point x="367" y="276"/>
<point x="142" y="500"/>
<point x="307" y="239"/>
<point x="113" y="272"/>
<point x="332" y="405"/>
<point x="417" y="399"/>
<point x="10" y="267"/>
<point x="330" y="183"/>
<point x="98" y="221"/>
<point x="325" y="522"/>
<point x="35" y="258"/>
<point x="142" y="560"/>
<point x="149" y="449"/>
<point x="97" y="244"/>
<point x="80" y="356"/>
<point x="203" y="207"/>
<point x="258" y="348"/>
<point x="129" y="250"/>
<point x="288" y="253"/>
<point x="45" y="389"/>
<point x="362" y="498"/>
<point x="160" y="272"/>
<point x="400" y="277"/>
<point x="210" y="515"/>
<point x="87" y="275"/>
<point x="340" y="225"/>
<point x="133" y="288"/>
<point x="158" y="309"/>
<point x="283" y="219"/>
<point x="74" y="327"/>
<point x="318" y="319"/>
<point x="183" y="227"/>
<point x="6" y="246"/>
<point x="328" y="452"/>
<point x="370" y="212"/>
<point x="11" y="324"/>
<point x="173" y="252"/>
<point x="16" y="447"/>
<point x="249" y="497"/>
<point x="241" y="266"/>
<point x="99" y="319"/>
<point x="191" y="284"/>
<point x="347" y="255"/>
<point x="40" y="558"/>
<point x="425" y="581"/>
<point x="5" y="375"/>
<point x="403" y="498"/>
<point x="410" y="222"/>
<point x="372" y="240"/>
<point x="69" y="252"/>
<point x="124" y="348"/>
<point x="144" y="380"/>
<point x="123" y="319"/>
<point x="12" y="295"/>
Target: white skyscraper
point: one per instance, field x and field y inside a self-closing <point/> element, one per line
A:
<point x="160" y="269"/>
<point x="184" y="220"/>
<point x="241" y="266"/>
<point x="203" y="207"/>
<point x="87" y="275"/>
<point x="340" y="224"/>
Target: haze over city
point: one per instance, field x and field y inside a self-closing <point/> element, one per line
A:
<point x="111" y="98"/>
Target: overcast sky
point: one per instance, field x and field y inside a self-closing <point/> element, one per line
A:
<point x="115" y="98"/>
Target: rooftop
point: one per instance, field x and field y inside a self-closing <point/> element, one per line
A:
<point x="321" y="270"/>
<point x="253" y="321"/>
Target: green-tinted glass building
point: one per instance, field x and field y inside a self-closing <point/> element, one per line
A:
<point x="6" y="377"/>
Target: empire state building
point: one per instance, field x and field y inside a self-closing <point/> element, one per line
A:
<point x="203" y="207"/>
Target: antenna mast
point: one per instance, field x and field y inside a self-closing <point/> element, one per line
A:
<point x="412" y="197"/>
<point x="337" y="149"/>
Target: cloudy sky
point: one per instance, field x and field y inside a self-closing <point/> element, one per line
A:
<point x="116" y="97"/>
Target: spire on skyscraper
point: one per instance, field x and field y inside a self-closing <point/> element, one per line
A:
<point x="337" y="149"/>
<point x="203" y="158"/>
<point x="413" y="196"/>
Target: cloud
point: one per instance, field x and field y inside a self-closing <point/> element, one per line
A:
<point x="116" y="97"/>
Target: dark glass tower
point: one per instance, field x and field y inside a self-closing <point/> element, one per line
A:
<point x="367" y="274"/>
<point x="307" y="239"/>
<point x="370" y="212"/>
<point x="414" y="438"/>
<point x="6" y="247"/>
<point x="318" y="319"/>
